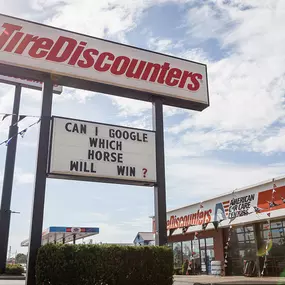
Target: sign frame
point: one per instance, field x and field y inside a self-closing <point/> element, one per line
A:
<point x="58" y="89"/>
<point x="65" y="79"/>
<point x="89" y="178"/>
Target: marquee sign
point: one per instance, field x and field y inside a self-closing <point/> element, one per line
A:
<point x="55" y="51"/>
<point x="92" y="151"/>
<point x="32" y="84"/>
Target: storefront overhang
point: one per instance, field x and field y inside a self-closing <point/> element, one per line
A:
<point x="243" y="206"/>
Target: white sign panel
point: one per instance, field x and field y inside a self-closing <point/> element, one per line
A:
<point x="92" y="150"/>
<point x="33" y="84"/>
<point x="38" y="47"/>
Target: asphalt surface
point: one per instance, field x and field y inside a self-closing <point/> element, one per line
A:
<point x="12" y="282"/>
<point x="22" y="282"/>
<point x="195" y="280"/>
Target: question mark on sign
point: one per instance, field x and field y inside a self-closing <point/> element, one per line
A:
<point x="144" y="172"/>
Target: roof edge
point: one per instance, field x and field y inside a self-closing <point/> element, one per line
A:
<point x="230" y="192"/>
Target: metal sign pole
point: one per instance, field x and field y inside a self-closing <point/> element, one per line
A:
<point x="40" y="182"/>
<point x="5" y="212"/>
<point x="159" y="189"/>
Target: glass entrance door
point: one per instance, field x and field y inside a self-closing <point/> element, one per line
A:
<point x="210" y="257"/>
<point x="199" y="253"/>
<point x="203" y="261"/>
<point x="207" y="254"/>
<point x="210" y="253"/>
<point x="196" y="261"/>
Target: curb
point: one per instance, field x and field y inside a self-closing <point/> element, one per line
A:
<point x="11" y="277"/>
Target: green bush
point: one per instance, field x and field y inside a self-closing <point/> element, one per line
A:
<point x="104" y="265"/>
<point x="185" y="267"/>
<point x="14" y="269"/>
<point x="177" y="271"/>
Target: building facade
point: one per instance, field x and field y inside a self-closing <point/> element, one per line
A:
<point x="144" y="238"/>
<point x="245" y="225"/>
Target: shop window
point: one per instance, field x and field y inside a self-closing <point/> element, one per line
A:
<point x="273" y="234"/>
<point x="200" y="252"/>
<point x="177" y="254"/>
<point x="278" y="248"/>
<point x="240" y="237"/>
<point x="277" y="233"/>
<point x="277" y="225"/>
<point x="202" y="242"/>
<point x="242" y="247"/>
<point x="187" y="250"/>
<point x="195" y="248"/>
<point x="196" y="255"/>
<point x="249" y="235"/>
<point x="239" y="230"/>
<point x="264" y="226"/>
<point x="210" y="242"/>
<point x="264" y="234"/>
<point x="248" y="229"/>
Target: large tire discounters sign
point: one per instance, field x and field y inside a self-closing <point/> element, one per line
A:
<point x="43" y="48"/>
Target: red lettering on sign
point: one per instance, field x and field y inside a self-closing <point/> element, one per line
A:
<point x="41" y="47"/>
<point x="71" y="52"/>
<point x="7" y="33"/>
<point x="198" y="218"/>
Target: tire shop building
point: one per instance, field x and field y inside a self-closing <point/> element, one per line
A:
<point x="246" y="226"/>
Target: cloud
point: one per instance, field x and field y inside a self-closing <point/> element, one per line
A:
<point x="272" y="144"/>
<point x="131" y="107"/>
<point x="112" y="233"/>
<point x="196" y="143"/>
<point x="104" y="19"/>
<point x="121" y="232"/>
<point x="207" y="21"/>
<point x="99" y="217"/>
<point x="246" y="85"/>
<point x="6" y="101"/>
<point x="22" y="177"/>
<point x="194" y="179"/>
<point x="163" y="45"/>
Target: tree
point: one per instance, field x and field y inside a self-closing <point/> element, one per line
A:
<point x="21" y="258"/>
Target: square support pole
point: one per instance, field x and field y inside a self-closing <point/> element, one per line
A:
<point x="40" y="182"/>
<point x="5" y="211"/>
<point x="159" y="188"/>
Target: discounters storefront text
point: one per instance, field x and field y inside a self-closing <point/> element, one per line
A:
<point x="245" y="225"/>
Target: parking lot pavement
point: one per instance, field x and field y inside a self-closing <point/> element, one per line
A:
<point x="22" y="282"/>
<point x="12" y="282"/>
<point x="209" y="279"/>
<point x="191" y="280"/>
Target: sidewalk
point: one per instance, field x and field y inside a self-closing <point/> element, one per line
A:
<point x="210" y="279"/>
<point x="12" y="277"/>
<point x="194" y="280"/>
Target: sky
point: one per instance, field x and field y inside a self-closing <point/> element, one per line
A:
<point x="237" y="141"/>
